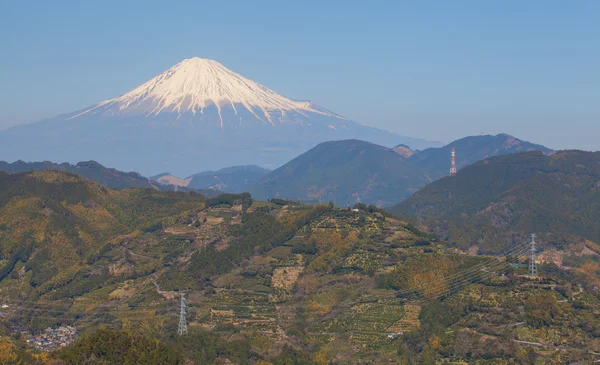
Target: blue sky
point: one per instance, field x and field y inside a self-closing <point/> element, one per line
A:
<point x="438" y="70"/>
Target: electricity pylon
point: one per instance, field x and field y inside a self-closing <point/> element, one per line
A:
<point x="182" y="322"/>
<point x="532" y="266"/>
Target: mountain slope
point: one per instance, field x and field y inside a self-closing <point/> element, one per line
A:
<point x="168" y="179"/>
<point x="436" y="161"/>
<point x="109" y="177"/>
<point x="265" y="282"/>
<point x="345" y="172"/>
<point x="404" y="151"/>
<point x="235" y="179"/>
<point x="556" y="196"/>
<point x="62" y="220"/>
<point x="197" y="115"/>
<point x="195" y="84"/>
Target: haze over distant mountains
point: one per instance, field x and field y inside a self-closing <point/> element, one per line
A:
<point x="352" y="171"/>
<point x="436" y="161"/>
<point x="195" y="116"/>
<point x="345" y="172"/>
<point x="233" y="179"/>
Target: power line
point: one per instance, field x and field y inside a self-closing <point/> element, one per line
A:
<point x="442" y="289"/>
<point x="470" y="274"/>
<point x="462" y="277"/>
<point x="473" y="278"/>
<point x="447" y="285"/>
<point x="472" y="269"/>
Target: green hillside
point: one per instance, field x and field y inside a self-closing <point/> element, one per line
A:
<point x="500" y="200"/>
<point x="52" y="223"/>
<point x="268" y="283"/>
<point x="436" y="161"/>
<point x="344" y="172"/>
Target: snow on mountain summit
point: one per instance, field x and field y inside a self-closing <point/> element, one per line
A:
<point x="195" y="84"/>
<point x="197" y="115"/>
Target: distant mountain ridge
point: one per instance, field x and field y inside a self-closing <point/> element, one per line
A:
<point x="196" y="115"/>
<point x="92" y="170"/>
<point x="436" y="161"/>
<point x="345" y="172"/>
<point x="497" y="200"/>
<point x="331" y="171"/>
<point x="234" y="179"/>
<point x="233" y="169"/>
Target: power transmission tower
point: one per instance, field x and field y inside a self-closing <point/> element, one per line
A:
<point x="182" y="330"/>
<point x="532" y="266"/>
<point x="453" y="163"/>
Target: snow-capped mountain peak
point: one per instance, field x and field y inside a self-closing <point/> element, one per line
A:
<point x="194" y="84"/>
<point x="195" y="116"/>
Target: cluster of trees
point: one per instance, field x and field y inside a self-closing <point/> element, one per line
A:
<point x="430" y="343"/>
<point x="119" y="347"/>
<point x="198" y="347"/>
<point x="258" y="233"/>
<point x="245" y="199"/>
<point x="14" y="350"/>
<point x="420" y="276"/>
<point x="48" y="209"/>
<point x="331" y="246"/>
<point x="282" y="202"/>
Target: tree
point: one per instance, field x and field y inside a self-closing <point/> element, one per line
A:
<point x="541" y="309"/>
<point x="119" y="347"/>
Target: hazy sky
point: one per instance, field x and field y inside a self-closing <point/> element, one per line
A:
<point x="438" y="70"/>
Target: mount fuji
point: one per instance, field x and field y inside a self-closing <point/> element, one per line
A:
<point x="197" y="115"/>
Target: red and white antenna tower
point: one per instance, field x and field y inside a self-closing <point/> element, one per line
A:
<point x="453" y="164"/>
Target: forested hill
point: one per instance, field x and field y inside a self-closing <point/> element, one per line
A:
<point x="54" y="222"/>
<point x="555" y="196"/>
<point x="92" y="170"/>
<point x="344" y="172"/>
<point x="274" y="282"/>
<point x="436" y="161"/>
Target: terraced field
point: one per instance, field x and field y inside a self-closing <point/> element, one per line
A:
<point x="324" y="280"/>
<point x="408" y="322"/>
<point x="365" y="322"/>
